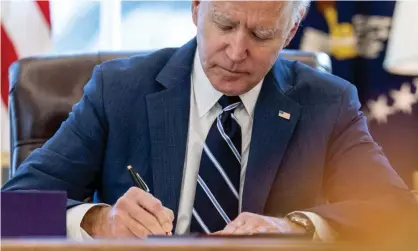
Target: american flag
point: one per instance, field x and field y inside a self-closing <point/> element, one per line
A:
<point x="25" y="31"/>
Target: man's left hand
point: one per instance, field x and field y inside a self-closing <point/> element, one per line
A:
<point x="249" y="223"/>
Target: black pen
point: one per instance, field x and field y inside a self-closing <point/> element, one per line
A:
<point x="138" y="181"/>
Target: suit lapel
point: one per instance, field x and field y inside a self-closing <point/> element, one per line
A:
<point x="270" y="136"/>
<point x="168" y="114"/>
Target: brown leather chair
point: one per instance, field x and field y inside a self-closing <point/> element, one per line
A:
<point x="44" y="89"/>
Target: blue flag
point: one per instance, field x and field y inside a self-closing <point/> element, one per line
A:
<point x="355" y="34"/>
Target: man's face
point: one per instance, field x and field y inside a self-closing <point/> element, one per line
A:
<point x="239" y="42"/>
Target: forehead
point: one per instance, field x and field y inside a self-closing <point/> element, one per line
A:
<point x="252" y="13"/>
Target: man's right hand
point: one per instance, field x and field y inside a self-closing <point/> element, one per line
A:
<point x="135" y="214"/>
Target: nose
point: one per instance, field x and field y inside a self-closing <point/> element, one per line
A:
<point x="237" y="49"/>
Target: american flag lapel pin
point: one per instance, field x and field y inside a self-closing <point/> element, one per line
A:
<point x="284" y="115"/>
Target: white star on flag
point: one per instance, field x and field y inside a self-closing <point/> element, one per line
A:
<point x="404" y="98"/>
<point x="403" y="101"/>
<point x="379" y="110"/>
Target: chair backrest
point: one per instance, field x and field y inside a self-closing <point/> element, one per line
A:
<point x="44" y="89"/>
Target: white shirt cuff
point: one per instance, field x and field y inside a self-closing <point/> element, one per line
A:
<point x="323" y="231"/>
<point x="74" y="217"/>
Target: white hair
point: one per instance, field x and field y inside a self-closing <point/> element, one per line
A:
<point x="297" y="6"/>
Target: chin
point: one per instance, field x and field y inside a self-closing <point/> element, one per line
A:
<point x="231" y="88"/>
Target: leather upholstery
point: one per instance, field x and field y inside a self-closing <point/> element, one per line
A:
<point x="43" y="90"/>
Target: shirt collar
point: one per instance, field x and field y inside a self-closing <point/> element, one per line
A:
<point x="206" y="96"/>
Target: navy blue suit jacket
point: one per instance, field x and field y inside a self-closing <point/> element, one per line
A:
<point x="135" y="111"/>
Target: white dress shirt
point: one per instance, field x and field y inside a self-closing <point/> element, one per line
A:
<point x="203" y="111"/>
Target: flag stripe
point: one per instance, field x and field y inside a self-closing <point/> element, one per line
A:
<point x="30" y="35"/>
<point x="44" y="7"/>
<point x="8" y="56"/>
<point x="25" y="32"/>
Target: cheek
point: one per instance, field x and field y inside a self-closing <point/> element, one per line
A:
<point x="211" y="51"/>
<point x="261" y="65"/>
<point x="262" y="60"/>
<point x="208" y="55"/>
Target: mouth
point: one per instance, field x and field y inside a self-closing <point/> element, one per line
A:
<point x="233" y="73"/>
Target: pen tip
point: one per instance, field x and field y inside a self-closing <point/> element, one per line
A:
<point x="129" y="167"/>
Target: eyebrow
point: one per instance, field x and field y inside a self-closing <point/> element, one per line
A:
<point x="266" y="31"/>
<point x="219" y="17"/>
<point x="223" y="19"/>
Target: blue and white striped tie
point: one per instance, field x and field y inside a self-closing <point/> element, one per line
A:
<point x="216" y="199"/>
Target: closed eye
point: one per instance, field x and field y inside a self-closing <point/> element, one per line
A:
<point x="225" y="27"/>
<point x="260" y="38"/>
<point x="263" y="34"/>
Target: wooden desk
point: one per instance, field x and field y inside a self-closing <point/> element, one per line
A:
<point x="177" y="244"/>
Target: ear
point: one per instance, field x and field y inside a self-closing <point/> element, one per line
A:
<point x="295" y="27"/>
<point x="195" y="10"/>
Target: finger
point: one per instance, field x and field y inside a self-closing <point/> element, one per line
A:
<point x="147" y="220"/>
<point x="137" y="229"/>
<point x="119" y="225"/>
<point x="122" y="231"/>
<point x="169" y="213"/>
<point x="152" y="205"/>
<point x="248" y="230"/>
<point x="233" y="226"/>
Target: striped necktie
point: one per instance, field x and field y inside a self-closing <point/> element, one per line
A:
<point x="217" y="198"/>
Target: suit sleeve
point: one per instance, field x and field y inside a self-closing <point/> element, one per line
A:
<point x="71" y="160"/>
<point x="366" y="197"/>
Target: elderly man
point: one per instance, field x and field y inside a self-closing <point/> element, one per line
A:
<point x="229" y="138"/>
